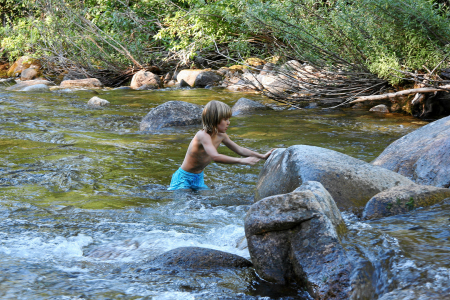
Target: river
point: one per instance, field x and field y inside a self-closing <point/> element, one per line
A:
<point x="84" y="205"/>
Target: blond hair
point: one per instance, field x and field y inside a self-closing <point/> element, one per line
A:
<point x="212" y="114"/>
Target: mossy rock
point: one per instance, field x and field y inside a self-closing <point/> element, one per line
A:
<point x="402" y="199"/>
<point x="21" y="64"/>
<point x="3" y="74"/>
<point x="254" y="62"/>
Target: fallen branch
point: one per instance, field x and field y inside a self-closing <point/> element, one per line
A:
<point x="402" y="93"/>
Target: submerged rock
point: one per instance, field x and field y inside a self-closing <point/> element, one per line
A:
<point x="198" y="78"/>
<point x="351" y="182"/>
<point x="293" y="238"/>
<point x="245" y="106"/>
<point x="199" y="258"/>
<point x="82" y="83"/>
<point x="401" y="199"/>
<point x="96" y="101"/>
<point x="36" y="88"/>
<point x="145" y="80"/>
<point x="172" y="113"/>
<point x="23" y="84"/>
<point x="422" y="155"/>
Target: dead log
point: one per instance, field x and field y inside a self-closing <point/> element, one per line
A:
<point x="401" y="93"/>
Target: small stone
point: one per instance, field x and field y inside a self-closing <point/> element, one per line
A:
<point x="380" y="108"/>
<point x="96" y="101"/>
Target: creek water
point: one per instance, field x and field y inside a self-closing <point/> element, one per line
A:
<point x="84" y="205"/>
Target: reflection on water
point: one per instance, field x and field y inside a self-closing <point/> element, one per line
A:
<point x="84" y="206"/>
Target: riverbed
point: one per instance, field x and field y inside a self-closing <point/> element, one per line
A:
<point x="84" y="205"/>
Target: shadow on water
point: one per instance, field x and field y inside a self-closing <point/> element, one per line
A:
<point x="84" y="204"/>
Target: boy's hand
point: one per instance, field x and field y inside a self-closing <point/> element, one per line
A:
<point x="249" y="160"/>
<point x="266" y="156"/>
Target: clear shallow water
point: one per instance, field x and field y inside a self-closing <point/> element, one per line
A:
<point x="83" y="200"/>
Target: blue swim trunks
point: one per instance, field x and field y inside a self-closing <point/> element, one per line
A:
<point x="186" y="180"/>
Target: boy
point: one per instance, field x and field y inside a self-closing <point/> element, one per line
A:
<point x="203" y="149"/>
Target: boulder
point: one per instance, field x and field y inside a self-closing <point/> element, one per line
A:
<point x="199" y="78"/>
<point x="23" y="84"/>
<point x="36" y="88"/>
<point x="145" y="78"/>
<point x="293" y="238"/>
<point x="21" y="64"/>
<point x="401" y="199"/>
<point x="172" y="113"/>
<point x="380" y="109"/>
<point x="96" y="101"/>
<point x="351" y="182"/>
<point x="82" y="83"/>
<point x="422" y="155"/>
<point x="245" y="106"/>
<point x="29" y="74"/>
<point x="199" y="258"/>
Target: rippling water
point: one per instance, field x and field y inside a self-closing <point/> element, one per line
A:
<point x="84" y="206"/>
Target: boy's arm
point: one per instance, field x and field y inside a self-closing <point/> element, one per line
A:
<point x="244" y="151"/>
<point x="206" y="141"/>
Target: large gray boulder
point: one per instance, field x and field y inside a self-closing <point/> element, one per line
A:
<point x="145" y="80"/>
<point x="29" y="74"/>
<point x="246" y="106"/>
<point x="172" y="113"/>
<point x="23" y="84"/>
<point x="401" y="199"/>
<point x="199" y="258"/>
<point x="351" y="182"/>
<point x="82" y="83"/>
<point x="422" y="155"/>
<point x="199" y="78"/>
<point x="293" y="238"/>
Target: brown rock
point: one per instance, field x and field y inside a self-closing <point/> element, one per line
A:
<point x="21" y="64"/>
<point x="82" y="83"/>
<point x="145" y="78"/>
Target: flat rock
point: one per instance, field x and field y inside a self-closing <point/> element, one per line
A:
<point x="145" y="80"/>
<point x="293" y="238"/>
<point x="172" y="113"/>
<point x="96" y="101"/>
<point x="245" y="106"/>
<point x="199" y="258"/>
<point x="82" y="83"/>
<point x="402" y="199"/>
<point x="350" y="181"/>
<point x="422" y="155"/>
<point x="199" y="78"/>
<point x="23" y="84"/>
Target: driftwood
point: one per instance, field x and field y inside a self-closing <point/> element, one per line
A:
<point x="402" y="93"/>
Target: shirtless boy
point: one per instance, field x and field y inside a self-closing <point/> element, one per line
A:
<point x="203" y="149"/>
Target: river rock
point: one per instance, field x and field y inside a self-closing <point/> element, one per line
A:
<point x="245" y="106"/>
<point x="82" y="83"/>
<point x="401" y="199"/>
<point x="145" y="78"/>
<point x="199" y="78"/>
<point x="23" y="84"/>
<point x="172" y="113"/>
<point x="96" y="101"/>
<point x="199" y="258"/>
<point x="350" y="181"/>
<point x="293" y="238"/>
<point x="422" y="155"/>
<point x="36" y="88"/>
<point x="21" y="64"/>
<point x="29" y="74"/>
<point x="380" y="109"/>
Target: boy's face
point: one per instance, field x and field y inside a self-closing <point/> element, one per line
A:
<point x="223" y="125"/>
